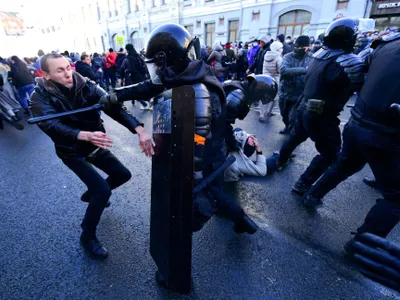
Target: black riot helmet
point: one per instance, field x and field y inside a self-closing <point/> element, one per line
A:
<point x="341" y="34"/>
<point x="171" y="45"/>
<point x="262" y="88"/>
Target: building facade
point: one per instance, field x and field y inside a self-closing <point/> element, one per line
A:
<point x="386" y="14"/>
<point x="130" y="21"/>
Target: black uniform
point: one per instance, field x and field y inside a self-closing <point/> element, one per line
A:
<point x="240" y="96"/>
<point x="327" y="89"/>
<point x="372" y="136"/>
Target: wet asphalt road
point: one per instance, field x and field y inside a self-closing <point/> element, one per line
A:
<point x="295" y="254"/>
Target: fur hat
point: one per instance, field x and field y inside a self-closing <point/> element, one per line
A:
<point x="276" y="45"/>
<point x="302" y="41"/>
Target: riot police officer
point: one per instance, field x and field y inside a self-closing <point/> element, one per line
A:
<point x="173" y="60"/>
<point x="327" y="89"/>
<point x="372" y="136"/>
<point x="240" y="95"/>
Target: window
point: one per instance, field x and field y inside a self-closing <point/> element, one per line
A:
<point x="342" y="4"/>
<point x="198" y="24"/>
<point x="255" y="16"/>
<point x="115" y="8"/>
<point x="109" y="9"/>
<point x="221" y="21"/>
<point x="294" y="23"/>
<point x="233" y="31"/>
<point x="189" y="28"/>
<point x="128" y="6"/>
<point x="210" y="30"/>
<point x="98" y="12"/>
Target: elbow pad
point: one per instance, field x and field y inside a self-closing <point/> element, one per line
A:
<point x="236" y="106"/>
<point x="202" y="108"/>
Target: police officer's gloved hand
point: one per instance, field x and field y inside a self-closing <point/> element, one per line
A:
<point x="379" y="259"/>
<point x="109" y="100"/>
<point x="354" y="66"/>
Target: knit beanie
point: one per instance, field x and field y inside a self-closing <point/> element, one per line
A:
<point x="302" y="41"/>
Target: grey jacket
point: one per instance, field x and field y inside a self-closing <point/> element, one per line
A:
<point x="272" y="62"/>
<point x="216" y="56"/>
<point x="293" y="73"/>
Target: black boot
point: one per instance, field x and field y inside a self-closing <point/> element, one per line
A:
<point x="86" y="198"/>
<point x="370" y="182"/>
<point x="300" y="187"/>
<point x="245" y="225"/>
<point x="93" y="247"/>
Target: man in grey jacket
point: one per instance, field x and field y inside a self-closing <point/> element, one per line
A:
<point x="293" y="68"/>
<point x="243" y="164"/>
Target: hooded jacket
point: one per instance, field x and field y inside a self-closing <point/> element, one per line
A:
<point x="243" y="165"/>
<point x="50" y="97"/>
<point x="272" y="63"/>
<point x="216" y="57"/>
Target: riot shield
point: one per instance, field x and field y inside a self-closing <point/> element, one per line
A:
<point x="172" y="189"/>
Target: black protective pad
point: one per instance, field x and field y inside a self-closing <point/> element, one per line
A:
<point x="172" y="188"/>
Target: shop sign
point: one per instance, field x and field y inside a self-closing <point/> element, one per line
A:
<point x="389" y="5"/>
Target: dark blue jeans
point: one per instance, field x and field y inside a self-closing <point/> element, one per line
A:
<point x="382" y="153"/>
<point x="25" y="93"/>
<point x="99" y="188"/>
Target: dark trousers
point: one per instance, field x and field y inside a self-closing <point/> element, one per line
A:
<point x="110" y="76"/>
<point x="288" y="111"/>
<point x="324" y="131"/>
<point x="361" y="146"/>
<point x="99" y="188"/>
<point x="224" y="202"/>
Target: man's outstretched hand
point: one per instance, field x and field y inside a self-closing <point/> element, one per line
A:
<point x="97" y="138"/>
<point x="145" y="141"/>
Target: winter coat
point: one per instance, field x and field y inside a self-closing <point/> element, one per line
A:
<point x="216" y="57"/>
<point x="251" y="54"/>
<point x="257" y="66"/>
<point x="111" y="60"/>
<point x="242" y="60"/>
<point x="20" y="76"/>
<point x="230" y="54"/>
<point x="272" y="62"/>
<point x="134" y="69"/>
<point x="50" y="97"/>
<point x="120" y="59"/>
<point x="292" y="79"/>
<point x="85" y="70"/>
<point x="245" y="166"/>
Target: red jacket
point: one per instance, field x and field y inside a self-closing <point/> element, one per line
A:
<point x="111" y="60"/>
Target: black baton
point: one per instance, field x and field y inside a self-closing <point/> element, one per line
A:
<point x="63" y="114"/>
<point x="206" y="181"/>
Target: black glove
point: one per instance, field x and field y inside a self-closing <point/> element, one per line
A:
<point x="379" y="259"/>
<point x="109" y="100"/>
<point x="354" y="66"/>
